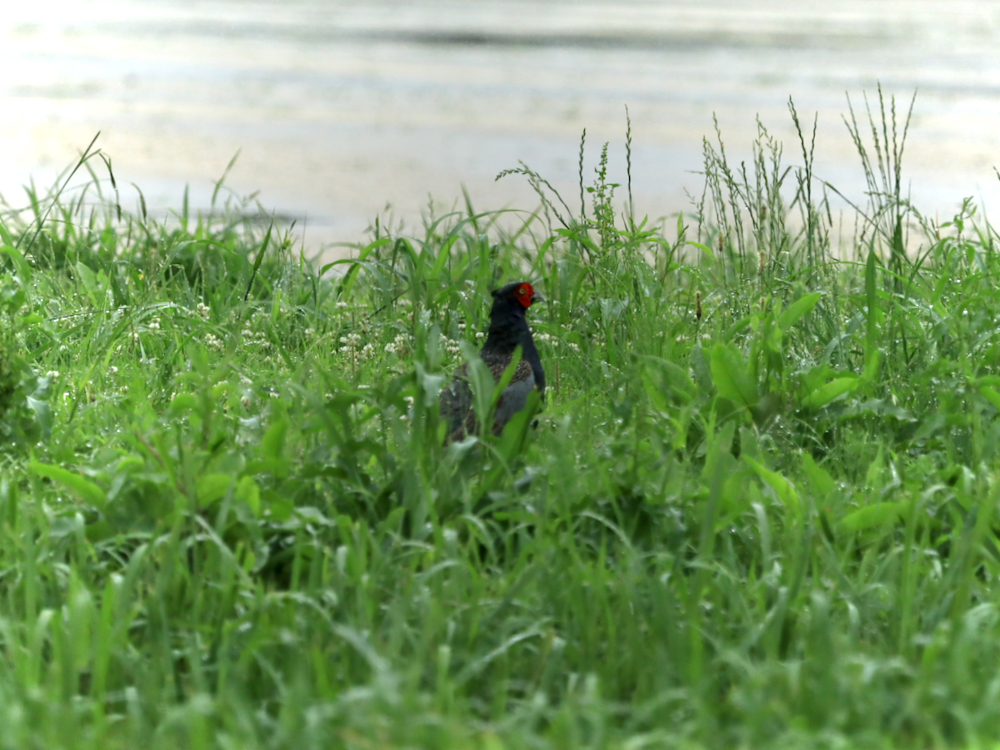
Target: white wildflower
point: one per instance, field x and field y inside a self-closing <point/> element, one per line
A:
<point x="214" y="342"/>
<point x="452" y="347"/>
<point x="398" y="345"/>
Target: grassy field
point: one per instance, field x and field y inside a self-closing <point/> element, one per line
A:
<point x="758" y="509"/>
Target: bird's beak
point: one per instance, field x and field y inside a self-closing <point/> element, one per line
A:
<point x="537" y="297"/>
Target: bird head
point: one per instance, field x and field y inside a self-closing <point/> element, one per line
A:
<point x="520" y="292"/>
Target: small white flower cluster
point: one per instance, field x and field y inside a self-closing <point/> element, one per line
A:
<point x="450" y="346"/>
<point x="214" y="342"/>
<point x="203" y="311"/>
<point x="550" y="340"/>
<point x="154" y="324"/>
<point x="408" y="417"/>
<point x="342" y="305"/>
<point x="471" y="289"/>
<point x="246" y="400"/>
<point x="251" y="337"/>
<point x="353" y="349"/>
<point x="399" y="345"/>
<point x="351" y="341"/>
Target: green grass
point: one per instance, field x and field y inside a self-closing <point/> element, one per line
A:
<point x="758" y="510"/>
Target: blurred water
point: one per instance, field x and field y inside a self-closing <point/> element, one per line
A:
<point x="340" y="107"/>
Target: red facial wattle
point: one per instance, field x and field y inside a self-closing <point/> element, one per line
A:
<point x="525" y="294"/>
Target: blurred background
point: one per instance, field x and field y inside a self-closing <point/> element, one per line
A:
<point x="338" y="108"/>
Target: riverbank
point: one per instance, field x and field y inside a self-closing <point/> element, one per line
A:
<point x="338" y="109"/>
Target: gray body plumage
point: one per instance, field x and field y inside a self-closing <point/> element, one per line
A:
<point x="508" y="330"/>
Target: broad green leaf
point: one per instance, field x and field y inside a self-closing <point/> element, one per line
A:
<point x="248" y="491"/>
<point x="871" y="366"/>
<point x="991" y="395"/>
<point x="822" y="484"/>
<point x="655" y="390"/>
<point x="700" y="368"/>
<point x="443" y="257"/>
<point x="666" y="382"/>
<point x="43" y="415"/>
<point x="273" y="444"/>
<point x="212" y="487"/>
<point x="22" y="266"/>
<point x="704" y="248"/>
<point x="431" y="384"/>
<point x="86" y="489"/>
<point x="878" y="407"/>
<point x="730" y="376"/>
<point x="797" y="310"/>
<point x="88" y="280"/>
<point x="991" y="380"/>
<point x="183" y="402"/>
<point x="830" y="391"/>
<point x="876" y="470"/>
<point x="877" y="514"/>
<point x="784" y="489"/>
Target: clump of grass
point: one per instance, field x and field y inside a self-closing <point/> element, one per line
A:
<point x="757" y="511"/>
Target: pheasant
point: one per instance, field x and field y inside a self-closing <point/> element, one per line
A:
<point x="508" y="329"/>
